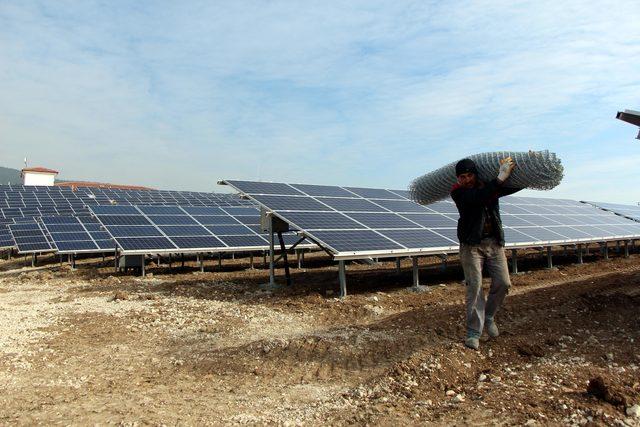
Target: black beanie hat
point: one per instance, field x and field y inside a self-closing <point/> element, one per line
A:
<point x="465" y="166"/>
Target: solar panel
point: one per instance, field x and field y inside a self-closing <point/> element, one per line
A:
<point x="628" y="211"/>
<point x="73" y="235"/>
<point x="30" y="237"/>
<point x="353" y="222"/>
<point x="153" y="229"/>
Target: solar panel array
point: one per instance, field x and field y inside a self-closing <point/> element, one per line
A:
<point x="629" y="211"/>
<point x="354" y="222"/>
<point x="28" y="202"/>
<point x="183" y="229"/>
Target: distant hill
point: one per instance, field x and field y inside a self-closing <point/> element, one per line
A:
<point x="8" y="175"/>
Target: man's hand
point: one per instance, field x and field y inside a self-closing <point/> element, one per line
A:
<point x="506" y="166"/>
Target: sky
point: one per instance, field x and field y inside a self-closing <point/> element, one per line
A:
<point x="179" y="95"/>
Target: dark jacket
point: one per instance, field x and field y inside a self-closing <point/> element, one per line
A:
<point x="471" y="204"/>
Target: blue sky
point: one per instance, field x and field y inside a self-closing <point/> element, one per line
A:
<point x="181" y="94"/>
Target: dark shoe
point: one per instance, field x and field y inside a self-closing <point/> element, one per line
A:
<point x="492" y="329"/>
<point x="473" y="343"/>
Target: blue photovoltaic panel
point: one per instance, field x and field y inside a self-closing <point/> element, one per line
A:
<point x="29" y="237"/>
<point x="322" y="220"/>
<point x="401" y="206"/>
<point x="266" y="188"/>
<point x="420" y="238"/>
<point x="356" y="240"/>
<point x="348" y="205"/>
<point x="382" y="220"/>
<point x="176" y="230"/>
<point x="292" y="203"/>
<point x="373" y="193"/>
<point x="323" y="190"/>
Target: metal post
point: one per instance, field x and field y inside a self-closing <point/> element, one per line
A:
<point x="158" y="261"/>
<point x="298" y="258"/>
<point x="251" y="259"/>
<point x="144" y="273"/>
<point x="617" y="246"/>
<point x="302" y="257"/>
<point x="169" y="260"/>
<point x="564" y="251"/>
<point x="549" y="258"/>
<point x="116" y="259"/>
<point x="272" y="273"/>
<point x="219" y="261"/>
<point x="605" y="250"/>
<point x="586" y="249"/>
<point x="443" y="266"/>
<point x="201" y="258"/>
<point x="514" y="261"/>
<point x="580" y="254"/>
<point x="73" y="261"/>
<point x="60" y="259"/>
<point x="9" y="255"/>
<point x="398" y="265"/>
<point x="102" y="256"/>
<point x="626" y="249"/>
<point x="182" y="257"/>
<point x="233" y="255"/>
<point x="283" y="250"/>
<point x="343" y="279"/>
<point x="416" y="275"/>
<point x="33" y="259"/>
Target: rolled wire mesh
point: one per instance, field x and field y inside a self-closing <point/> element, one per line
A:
<point x="538" y="170"/>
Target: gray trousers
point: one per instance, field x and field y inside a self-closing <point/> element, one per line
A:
<point x="472" y="257"/>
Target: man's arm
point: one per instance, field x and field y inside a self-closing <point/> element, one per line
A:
<point x="505" y="191"/>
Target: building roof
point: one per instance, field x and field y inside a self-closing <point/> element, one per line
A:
<point x="75" y="184"/>
<point x="39" y="169"/>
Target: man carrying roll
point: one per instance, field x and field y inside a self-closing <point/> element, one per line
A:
<point x="482" y="243"/>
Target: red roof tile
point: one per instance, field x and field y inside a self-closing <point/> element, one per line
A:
<point x="75" y="184"/>
<point x="39" y="169"/>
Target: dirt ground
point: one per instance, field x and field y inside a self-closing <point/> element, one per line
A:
<point x="180" y="347"/>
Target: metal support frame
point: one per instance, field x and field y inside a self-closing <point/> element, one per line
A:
<point x="298" y="258"/>
<point x="586" y="249"/>
<point x="549" y="258"/>
<point x="10" y="252"/>
<point x="626" y="249"/>
<point x="33" y="259"/>
<point x="264" y="259"/>
<point x="416" y="275"/>
<point x="342" y="276"/>
<point x="251" y="260"/>
<point x="302" y="257"/>
<point x="182" y="259"/>
<point x="142" y="268"/>
<point x="283" y="249"/>
<point x="60" y="259"/>
<point x="116" y="259"/>
<point x="579" y="250"/>
<point x="617" y="246"/>
<point x="443" y="266"/>
<point x="605" y="250"/>
<point x="514" y="261"/>
<point x="201" y="261"/>
<point x="398" y="267"/>
<point x="73" y="261"/>
<point x="170" y="260"/>
<point x="219" y="261"/>
<point x="272" y="274"/>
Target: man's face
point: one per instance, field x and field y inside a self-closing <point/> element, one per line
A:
<point x="467" y="180"/>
